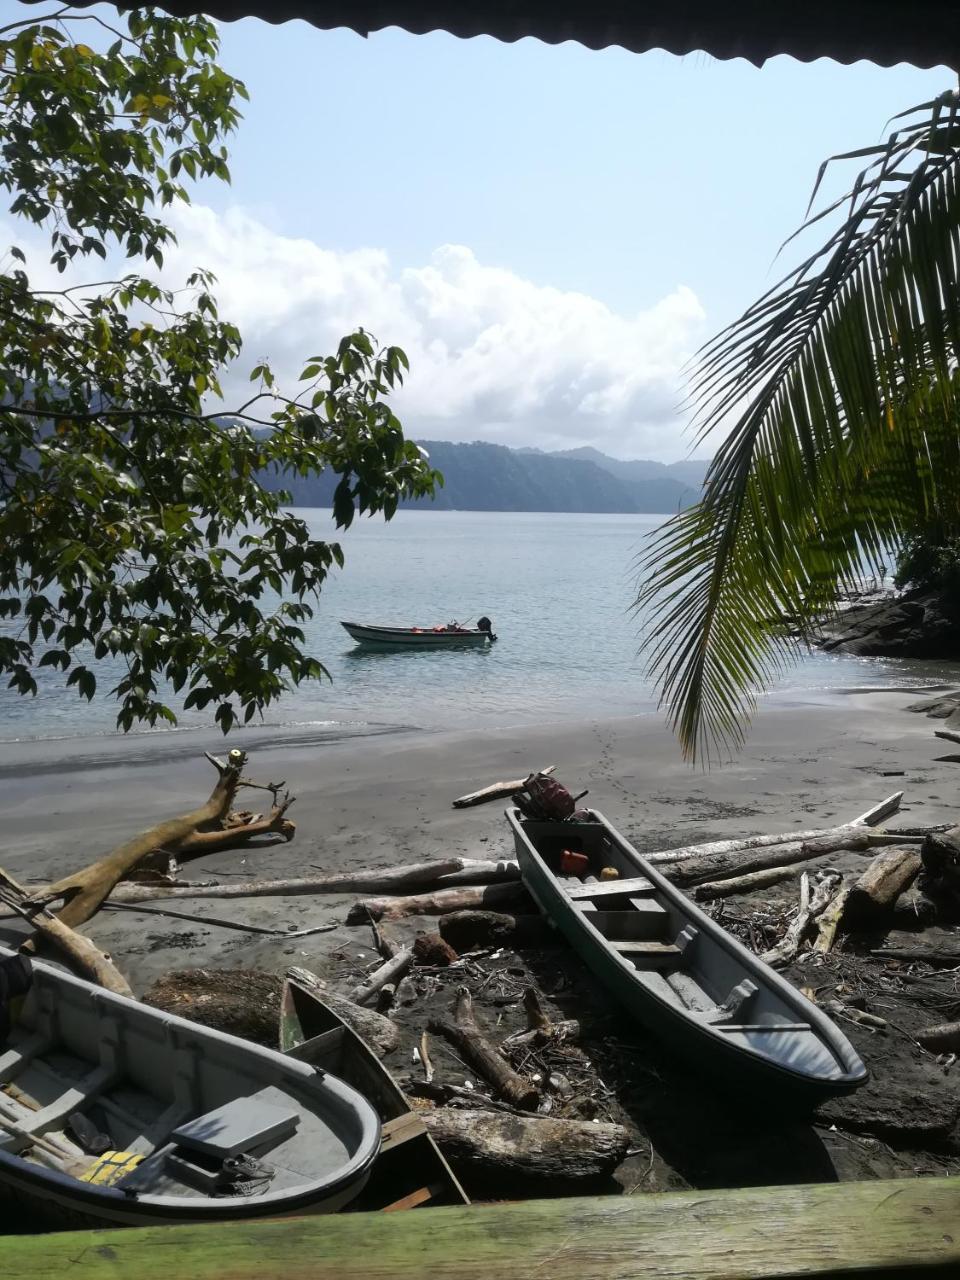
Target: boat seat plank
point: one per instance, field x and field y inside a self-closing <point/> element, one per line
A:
<point x="605" y="888"/>
<point x="585" y="906"/>
<point x="401" y="1129"/>
<point x="648" y="953"/>
<point x="14" y="1060"/>
<point x="770" y="1027"/>
<point x="691" y="993"/>
<point x="54" y="1115"/>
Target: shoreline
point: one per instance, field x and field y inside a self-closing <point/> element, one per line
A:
<point x="385" y="799"/>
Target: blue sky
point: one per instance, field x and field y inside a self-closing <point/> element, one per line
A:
<point x="613" y="173"/>
<point x="549" y="231"/>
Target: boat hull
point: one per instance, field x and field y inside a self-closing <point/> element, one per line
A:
<point x="690" y="1037"/>
<point x="406" y="637"/>
<point x="74" y="1046"/>
<point x="410" y="1169"/>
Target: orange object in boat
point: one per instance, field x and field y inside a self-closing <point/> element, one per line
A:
<point x="573" y="863"/>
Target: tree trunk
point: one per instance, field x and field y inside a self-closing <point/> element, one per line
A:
<point x="492" y="1147"/>
<point x="465" y="1035"/>
<point x="872" y="897"/>
<point x="436" y="904"/>
<point x="471" y="930"/>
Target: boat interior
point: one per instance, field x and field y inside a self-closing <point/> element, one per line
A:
<point x="409" y="1172"/>
<point x="674" y="951"/>
<point x="114" y="1094"/>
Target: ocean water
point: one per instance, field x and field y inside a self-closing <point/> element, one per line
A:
<point x="558" y="588"/>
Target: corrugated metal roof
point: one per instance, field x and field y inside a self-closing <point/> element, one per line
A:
<point x="925" y="33"/>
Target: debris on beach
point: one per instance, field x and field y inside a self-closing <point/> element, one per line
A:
<point x="480" y="1009"/>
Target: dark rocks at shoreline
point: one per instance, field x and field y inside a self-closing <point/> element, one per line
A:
<point x="911" y="626"/>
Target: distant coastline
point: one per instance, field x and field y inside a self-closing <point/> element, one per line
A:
<point x="492" y="477"/>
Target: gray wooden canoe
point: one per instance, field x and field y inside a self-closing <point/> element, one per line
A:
<point x="166" y="1093"/>
<point x="416" y="637"/>
<point x="677" y="971"/>
<point x="410" y="1171"/>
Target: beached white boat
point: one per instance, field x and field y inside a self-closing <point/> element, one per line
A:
<point x="115" y="1113"/>
<point x="450" y="636"/>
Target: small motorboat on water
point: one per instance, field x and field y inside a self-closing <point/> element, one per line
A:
<point x="114" y="1113"/>
<point x="442" y="637"/>
<point x="667" y="963"/>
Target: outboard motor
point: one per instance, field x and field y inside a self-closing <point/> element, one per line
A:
<point x="484" y="624"/>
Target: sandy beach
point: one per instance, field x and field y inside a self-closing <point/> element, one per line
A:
<point x="370" y="799"/>
<point x="381" y="798"/>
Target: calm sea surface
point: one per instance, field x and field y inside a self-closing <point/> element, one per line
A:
<point x="558" y="588"/>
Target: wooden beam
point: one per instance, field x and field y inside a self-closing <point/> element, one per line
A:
<point x="905" y="1228"/>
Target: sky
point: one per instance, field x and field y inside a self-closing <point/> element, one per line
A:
<point x="550" y="232"/>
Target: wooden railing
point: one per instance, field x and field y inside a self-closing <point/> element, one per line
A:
<point x="876" y="1229"/>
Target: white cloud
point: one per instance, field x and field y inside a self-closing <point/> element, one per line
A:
<point x="493" y="355"/>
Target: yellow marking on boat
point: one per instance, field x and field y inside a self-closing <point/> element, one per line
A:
<point x="111" y="1167"/>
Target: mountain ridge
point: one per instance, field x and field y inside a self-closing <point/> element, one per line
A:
<point x="492" y="477"/>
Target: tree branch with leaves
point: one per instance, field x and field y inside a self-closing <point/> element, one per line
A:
<point x="839" y="393"/>
<point x="134" y="520"/>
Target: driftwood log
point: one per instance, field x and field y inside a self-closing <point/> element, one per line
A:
<point x="873" y="815"/>
<point x="380" y="1033"/>
<point x="84" y="891"/>
<point x="394" y="880"/>
<point x="439" y="903"/>
<point x="541" y="1029"/>
<point x="391" y="971"/>
<point x="812" y="903"/>
<point x="932" y="953"/>
<point x="85" y="958"/>
<point x="940" y="855"/>
<point x="724" y="866"/>
<point x="743" y="884"/>
<point x="873" y="895"/>
<point x="492" y="1146"/>
<point x="499" y="790"/>
<point x="471" y="930"/>
<point x="829" y="923"/>
<point x="941" y="1039"/>
<point x="465" y="1035"/>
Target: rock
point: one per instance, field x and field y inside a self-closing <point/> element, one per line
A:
<point x="921" y="1110"/>
<point x="917" y="625"/>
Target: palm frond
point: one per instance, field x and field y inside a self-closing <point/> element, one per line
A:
<point x="842" y="385"/>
